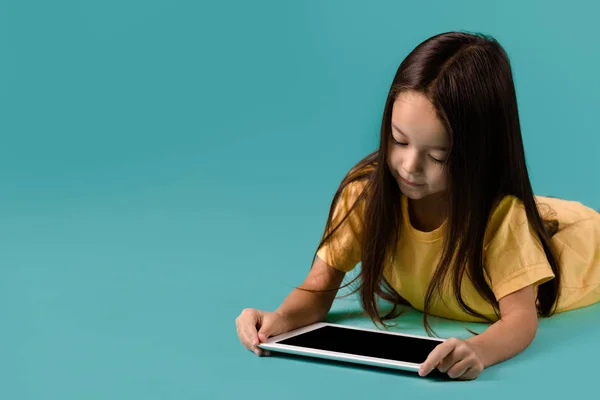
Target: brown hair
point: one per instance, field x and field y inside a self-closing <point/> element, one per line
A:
<point x="468" y="79"/>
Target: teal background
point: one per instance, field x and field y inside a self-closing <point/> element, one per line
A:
<point x="165" y="164"/>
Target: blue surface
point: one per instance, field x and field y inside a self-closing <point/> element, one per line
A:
<point x="165" y="164"/>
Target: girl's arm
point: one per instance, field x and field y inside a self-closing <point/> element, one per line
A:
<point x="302" y="308"/>
<point x="504" y="339"/>
<point x="513" y="332"/>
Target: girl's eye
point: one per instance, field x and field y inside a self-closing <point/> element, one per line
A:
<point x="435" y="160"/>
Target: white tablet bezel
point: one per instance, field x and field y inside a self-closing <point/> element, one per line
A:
<point x="272" y="344"/>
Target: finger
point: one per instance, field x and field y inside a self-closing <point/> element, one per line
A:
<point x="273" y="324"/>
<point x="470" y="374"/>
<point x="262" y="352"/>
<point x="460" y="352"/>
<point x="475" y="369"/>
<point x="242" y="332"/>
<point x="252" y="326"/>
<point x="458" y="369"/>
<point x="267" y="328"/>
<point x="247" y="325"/>
<point x="436" y="356"/>
<point x="448" y="361"/>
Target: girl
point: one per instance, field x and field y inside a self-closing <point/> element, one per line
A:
<point x="442" y="217"/>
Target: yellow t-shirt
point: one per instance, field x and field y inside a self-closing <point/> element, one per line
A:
<point x="514" y="257"/>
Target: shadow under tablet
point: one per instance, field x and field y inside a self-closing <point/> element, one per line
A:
<point x="435" y="374"/>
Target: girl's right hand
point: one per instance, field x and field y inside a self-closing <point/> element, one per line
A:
<point x="256" y="326"/>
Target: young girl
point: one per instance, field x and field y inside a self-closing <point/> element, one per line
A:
<point x="442" y="217"/>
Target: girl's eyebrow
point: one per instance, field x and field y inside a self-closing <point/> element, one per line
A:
<point x="440" y="148"/>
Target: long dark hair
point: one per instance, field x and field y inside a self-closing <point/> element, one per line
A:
<point x="468" y="79"/>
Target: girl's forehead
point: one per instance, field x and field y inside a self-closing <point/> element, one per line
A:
<point x="414" y="117"/>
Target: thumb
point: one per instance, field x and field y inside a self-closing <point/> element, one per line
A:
<point x="268" y="328"/>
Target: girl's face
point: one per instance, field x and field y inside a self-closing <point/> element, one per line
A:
<point x="418" y="147"/>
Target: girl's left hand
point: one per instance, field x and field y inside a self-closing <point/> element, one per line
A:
<point x="456" y="357"/>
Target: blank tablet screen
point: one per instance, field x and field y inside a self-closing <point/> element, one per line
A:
<point x="365" y="343"/>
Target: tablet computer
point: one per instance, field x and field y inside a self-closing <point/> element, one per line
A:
<point x="355" y="345"/>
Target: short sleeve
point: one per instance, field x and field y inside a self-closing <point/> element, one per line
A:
<point x="514" y="256"/>
<point x="342" y="250"/>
